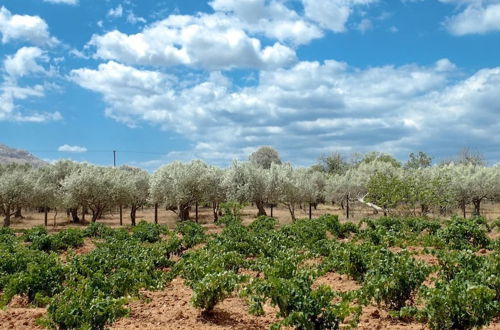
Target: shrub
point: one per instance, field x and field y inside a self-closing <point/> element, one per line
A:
<point x="263" y="224"/>
<point x="394" y="278"/>
<point x="60" y="241"/>
<point x="33" y="274"/>
<point x="33" y="233"/>
<point x="459" y="304"/>
<point x="213" y="288"/>
<point x="463" y="233"/>
<point x="70" y="237"/>
<point x="148" y="232"/>
<point x="236" y="238"/>
<point x="289" y="289"/>
<point x="192" y="233"/>
<point x="333" y="225"/>
<point x="81" y="306"/>
<point x="351" y="259"/>
<point x="97" y="229"/>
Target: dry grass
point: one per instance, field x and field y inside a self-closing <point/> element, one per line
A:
<point x="358" y="211"/>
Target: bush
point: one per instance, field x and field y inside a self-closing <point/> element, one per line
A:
<point x="60" y="241"/>
<point x="81" y="306"/>
<point x="213" y="288"/>
<point x="463" y="233"/>
<point x="7" y="236"/>
<point x="33" y="233"/>
<point x="97" y="229"/>
<point x="263" y="224"/>
<point x="192" y="233"/>
<point x="459" y="304"/>
<point x="333" y="225"/>
<point x="236" y="238"/>
<point x="394" y="278"/>
<point x="31" y="273"/>
<point x="148" y="232"/>
<point x="70" y="237"/>
<point x="351" y="259"/>
<point x="289" y="288"/>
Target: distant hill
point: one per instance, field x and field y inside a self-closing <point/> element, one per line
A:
<point x="10" y="155"/>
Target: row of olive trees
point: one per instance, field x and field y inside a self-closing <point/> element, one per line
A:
<point x="78" y="188"/>
<point x="72" y="186"/>
<point x="393" y="189"/>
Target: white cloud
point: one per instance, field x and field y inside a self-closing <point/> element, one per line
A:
<point x="24" y="62"/>
<point x="66" y="2"/>
<point x="478" y="17"/>
<point x="206" y="41"/>
<point x="332" y="14"/>
<point x="312" y="107"/>
<point x="365" y="25"/>
<point x="69" y="148"/>
<point x="25" y="28"/>
<point x="272" y="19"/>
<point x="116" y="12"/>
<point x="133" y="19"/>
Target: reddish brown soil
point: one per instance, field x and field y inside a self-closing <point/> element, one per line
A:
<point x="374" y="317"/>
<point x="19" y="315"/>
<point x="427" y="258"/>
<point x="171" y="309"/>
<point x="338" y="282"/>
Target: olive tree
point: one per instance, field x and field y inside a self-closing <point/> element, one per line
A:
<point x="420" y="160"/>
<point x="60" y="170"/>
<point x="216" y="191"/>
<point x="179" y="185"/>
<point x="312" y="186"/>
<point x="264" y="157"/>
<point x="46" y="190"/>
<point x="333" y="163"/>
<point x="16" y="190"/>
<point x="353" y="185"/>
<point x="91" y="187"/>
<point x="247" y="182"/>
<point x="130" y="188"/>
<point x="473" y="184"/>
<point x="286" y="183"/>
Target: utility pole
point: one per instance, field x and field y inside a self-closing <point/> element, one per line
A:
<point x="114" y="158"/>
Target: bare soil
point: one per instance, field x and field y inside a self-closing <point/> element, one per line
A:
<point x="170" y="308"/>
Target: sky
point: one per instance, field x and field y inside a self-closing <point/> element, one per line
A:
<point x="159" y="81"/>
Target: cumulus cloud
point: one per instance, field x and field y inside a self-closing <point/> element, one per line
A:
<point x="273" y="19"/>
<point x="478" y="17"/>
<point x="332" y="14"/>
<point x="25" y="28"/>
<point x="116" y="12"/>
<point x="206" y="41"/>
<point x="66" y="2"/>
<point x="69" y="148"/>
<point x="313" y="107"/>
<point x="24" y="61"/>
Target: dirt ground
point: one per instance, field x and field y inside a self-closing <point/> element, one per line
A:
<point x="358" y="211"/>
<point x="170" y="308"/>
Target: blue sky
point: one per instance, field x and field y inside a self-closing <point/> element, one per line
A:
<point x="176" y="80"/>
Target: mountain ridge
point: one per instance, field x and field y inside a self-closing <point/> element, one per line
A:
<point x="10" y="155"/>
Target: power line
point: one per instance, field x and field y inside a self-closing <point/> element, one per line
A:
<point x="103" y="151"/>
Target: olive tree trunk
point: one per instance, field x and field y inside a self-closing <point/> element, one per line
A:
<point x="260" y="207"/>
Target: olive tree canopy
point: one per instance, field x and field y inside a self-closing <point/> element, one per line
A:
<point x="179" y="185"/>
<point x="16" y="190"/>
<point x="264" y="157"/>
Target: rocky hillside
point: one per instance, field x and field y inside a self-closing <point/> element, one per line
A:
<point x="10" y="155"/>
